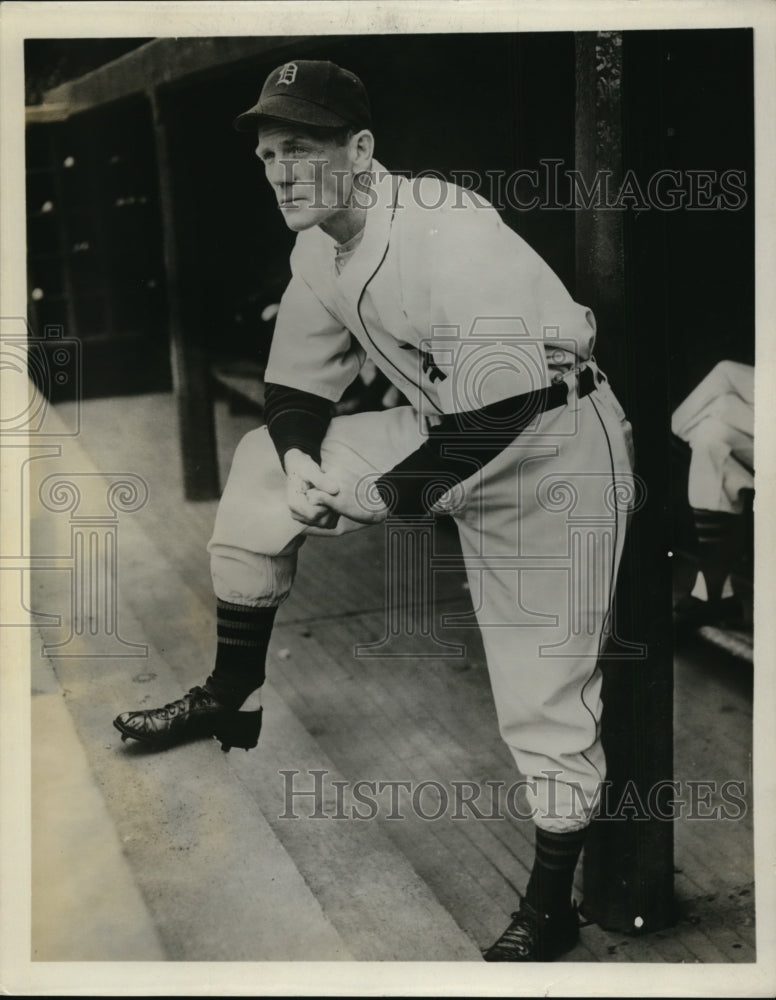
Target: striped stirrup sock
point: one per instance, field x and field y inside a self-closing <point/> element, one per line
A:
<point x="243" y="637"/>
<point x="716" y="534"/>
<point x="552" y="875"/>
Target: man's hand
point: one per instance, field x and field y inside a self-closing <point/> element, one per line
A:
<point x="353" y="499"/>
<point x="307" y="487"/>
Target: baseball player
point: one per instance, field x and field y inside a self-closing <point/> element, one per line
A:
<point x="512" y="429"/>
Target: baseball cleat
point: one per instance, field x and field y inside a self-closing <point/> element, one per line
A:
<point x="532" y="937"/>
<point x="194" y="716"/>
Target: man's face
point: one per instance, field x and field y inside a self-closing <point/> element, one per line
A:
<point x="311" y="177"/>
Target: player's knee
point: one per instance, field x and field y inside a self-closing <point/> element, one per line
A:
<point x="252" y="512"/>
<point x="255" y="468"/>
<point x="257" y="448"/>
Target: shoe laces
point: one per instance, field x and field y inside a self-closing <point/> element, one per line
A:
<point x="197" y="695"/>
<point x="520" y="936"/>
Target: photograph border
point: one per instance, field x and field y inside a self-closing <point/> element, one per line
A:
<point x="19" y="975"/>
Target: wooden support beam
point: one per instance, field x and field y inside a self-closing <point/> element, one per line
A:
<point x="628" y="866"/>
<point x="167" y="61"/>
<point x="189" y="359"/>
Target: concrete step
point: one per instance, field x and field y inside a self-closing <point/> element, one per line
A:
<point x="218" y="881"/>
<point x="71" y="827"/>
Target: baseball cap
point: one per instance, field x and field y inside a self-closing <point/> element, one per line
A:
<point x="310" y="92"/>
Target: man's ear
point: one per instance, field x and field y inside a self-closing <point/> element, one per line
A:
<point x="362" y="146"/>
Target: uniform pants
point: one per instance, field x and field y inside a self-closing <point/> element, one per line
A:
<point x="541" y="530"/>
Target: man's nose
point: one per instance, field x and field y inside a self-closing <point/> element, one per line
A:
<point x="281" y="173"/>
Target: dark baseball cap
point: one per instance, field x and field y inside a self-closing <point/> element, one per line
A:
<point x="309" y="92"/>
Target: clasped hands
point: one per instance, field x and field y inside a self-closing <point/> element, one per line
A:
<point x="318" y="499"/>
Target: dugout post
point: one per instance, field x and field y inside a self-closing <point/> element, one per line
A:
<point x="188" y="347"/>
<point x="628" y="860"/>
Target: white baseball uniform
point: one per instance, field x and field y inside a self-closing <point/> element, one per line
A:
<point x="459" y="313"/>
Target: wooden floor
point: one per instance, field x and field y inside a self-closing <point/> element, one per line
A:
<point x="412" y="719"/>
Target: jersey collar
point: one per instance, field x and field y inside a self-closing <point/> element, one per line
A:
<point x="314" y="250"/>
<point x="377" y="232"/>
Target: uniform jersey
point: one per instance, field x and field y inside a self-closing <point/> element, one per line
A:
<point x="454" y="307"/>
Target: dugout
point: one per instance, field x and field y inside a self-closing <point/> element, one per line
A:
<point x="184" y="248"/>
<point x="149" y="226"/>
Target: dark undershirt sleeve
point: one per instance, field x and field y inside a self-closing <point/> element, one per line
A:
<point x="296" y="419"/>
<point x="458" y="447"/>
